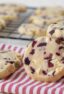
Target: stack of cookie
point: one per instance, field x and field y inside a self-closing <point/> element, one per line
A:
<point x="39" y="22"/>
<point x="44" y="57"/>
<point x="9" y="12"/>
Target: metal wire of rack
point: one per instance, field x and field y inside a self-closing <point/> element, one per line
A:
<point x="10" y="30"/>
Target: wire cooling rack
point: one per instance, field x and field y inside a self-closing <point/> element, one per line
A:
<point x="11" y="32"/>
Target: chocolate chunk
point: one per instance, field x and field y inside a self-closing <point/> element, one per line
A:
<point x="52" y="31"/>
<point x="32" y="70"/>
<point x="33" y="43"/>
<point x="57" y="53"/>
<point x="42" y="44"/>
<point x="50" y="64"/>
<point x="27" y="61"/>
<point x="44" y="72"/>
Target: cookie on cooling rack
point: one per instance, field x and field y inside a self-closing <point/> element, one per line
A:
<point x="8" y="16"/>
<point x="31" y="29"/>
<point x="44" y="21"/>
<point x="9" y="62"/>
<point x="12" y="7"/>
<point x="43" y="60"/>
<point x="57" y="11"/>
<point x="56" y="31"/>
<point x="9" y="12"/>
<point x="18" y="8"/>
<point x="2" y="23"/>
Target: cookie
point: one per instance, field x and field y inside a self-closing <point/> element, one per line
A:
<point x="9" y="62"/>
<point x="18" y="8"/>
<point x="42" y="61"/>
<point x="13" y="7"/>
<point x="31" y="30"/>
<point x="2" y="23"/>
<point x="56" y="31"/>
<point x="8" y="16"/>
<point x="57" y="11"/>
<point x="9" y="12"/>
<point x="44" y="20"/>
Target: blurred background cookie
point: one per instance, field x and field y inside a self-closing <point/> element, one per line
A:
<point x="31" y="30"/>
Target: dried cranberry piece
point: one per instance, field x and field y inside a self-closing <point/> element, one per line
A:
<point x="61" y="47"/>
<point x="33" y="43"/>
<point x="32" y="51"/>
<point x="27" y="61"/>
<point x="42" y="44"/>
<point x="52" y="31"/>
<point x="44" y="72"/>
<point x="49" y="57"/>
<point x="63" y="62"/>
<point x="50" y="64"/>
<point x="59" y="40"/>
<point x="32" y="69"/>
<point x="57" y="53"/>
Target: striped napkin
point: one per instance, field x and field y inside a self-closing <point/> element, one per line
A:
<point x="20" y="83"/>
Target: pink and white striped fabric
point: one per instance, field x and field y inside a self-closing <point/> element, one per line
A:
<point x="20" y="83"/>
